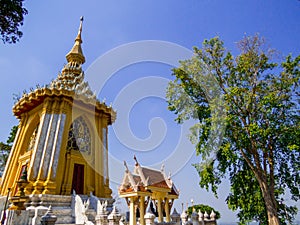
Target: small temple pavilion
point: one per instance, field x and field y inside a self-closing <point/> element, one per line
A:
<point x="145" y="187"/>
<point x="61" y="142"/>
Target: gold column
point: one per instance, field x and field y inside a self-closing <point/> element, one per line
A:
<point x="167" y="210"/>
<point x="36" y="164"/>
<point x="9" y="177"/>
<point x="160" y="212"/>
<point x="67" y="187"/>
<point x="132" y="219"/>
<point x="101" y="189"/>
<point x="142" y="210"/>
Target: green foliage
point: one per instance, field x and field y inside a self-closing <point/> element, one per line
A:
<point x="6" y="147"/>
<point x="249" y="124"/>
<point x="11" y="18"/>
<point x="12" y="135"/>
<point x="203" y="208"/>
<point x="246" y="195"/>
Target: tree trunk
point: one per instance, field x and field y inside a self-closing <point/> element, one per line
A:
<point x="271" y="206"/>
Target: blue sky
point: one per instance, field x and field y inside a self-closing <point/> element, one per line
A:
<point x="49" y="32"/>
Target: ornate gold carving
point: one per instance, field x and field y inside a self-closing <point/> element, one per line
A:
<point x="33" y="138"/>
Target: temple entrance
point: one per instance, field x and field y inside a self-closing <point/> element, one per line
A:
<point x="78" y="178"/>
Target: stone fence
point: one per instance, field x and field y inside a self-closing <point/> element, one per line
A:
<point x="103" y="215"/>
<point x="115" y="218"/>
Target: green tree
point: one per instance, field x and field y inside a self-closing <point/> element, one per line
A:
<point x="12" y="15"/>
<point x="6" y="147"/>
<point x="249" y="126"/>
<point x="203" y="208"/>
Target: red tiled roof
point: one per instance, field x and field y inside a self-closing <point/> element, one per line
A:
<point x="154" y="178"/>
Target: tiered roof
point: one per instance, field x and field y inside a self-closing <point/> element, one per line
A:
<point x="146" y="181"/>
<point x="69" y="84"/>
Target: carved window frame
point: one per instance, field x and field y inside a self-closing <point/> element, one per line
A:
<point x="79" y="138"/>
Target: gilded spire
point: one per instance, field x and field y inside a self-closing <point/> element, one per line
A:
<point x="78" y="38"/>
<point x="76" y="55"/>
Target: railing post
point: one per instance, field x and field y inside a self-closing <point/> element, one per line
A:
<point x="175" y="217"/>
<point x="184" y="218"/>
<point x="149" y="218"/>
<point x="195" y="218"/>
<point x="114" y="217"/>
<point x="101" y="217"/>
<point x="49" y="218"/>
<point x="201" y="217"/>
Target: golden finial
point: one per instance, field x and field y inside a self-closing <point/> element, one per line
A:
<point x="78" y="37"/>
<point x="76" y="54"/>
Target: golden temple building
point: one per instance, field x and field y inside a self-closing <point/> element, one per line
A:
<point x="61" y="142"/>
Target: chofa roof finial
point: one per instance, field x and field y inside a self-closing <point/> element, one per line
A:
<point x="125" y="164"/>
<point x="135" y="159"/>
